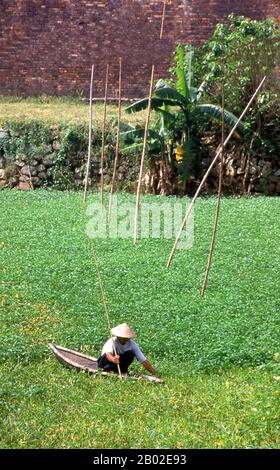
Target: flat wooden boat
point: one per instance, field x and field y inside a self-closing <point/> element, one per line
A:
<point x="70" y="358"/>
<point x="81" y="361"/>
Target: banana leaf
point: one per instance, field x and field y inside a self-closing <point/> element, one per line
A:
<point x="167" y="120"/>
<point x="185" y="167"/>
<point x="138" y="133"/>
<point x="134" y="148"/>
<point x="171" y="94"/>
<point x="216" y="112"/>
<point x="190" y="74"/>
<point x="156" y="103"/>
<point x="167" y="116"/>
<point x="201" y="90"/>
<point x="137" y="147"/>
<point x="193" y="94"/>
<point x="125" y="127"/>
<point x="181" y="85"/>
<point x="160" y="84"/>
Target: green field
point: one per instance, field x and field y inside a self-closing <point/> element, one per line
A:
<point x="55" y="111"/>
<point x="219" y="355"/>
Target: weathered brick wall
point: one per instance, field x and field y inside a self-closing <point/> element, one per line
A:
<point x="48" y="46"/>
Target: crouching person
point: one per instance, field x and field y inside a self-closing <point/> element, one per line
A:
<point x="126" y="350"/>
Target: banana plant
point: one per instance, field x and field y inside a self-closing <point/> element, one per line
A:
<point x="179" y="107"/>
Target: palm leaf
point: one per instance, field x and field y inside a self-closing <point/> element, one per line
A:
<point x="185" y="167"/>
<point x="137" y="147"/>
<point x="190" y="73"/>
<point x="201" y="90"/>
<point x="193" y="94"/>
<point x="134" y="148"/>
<point x="167" y="116"/>
<point x="171" y="94"/>
<point x="181" y="85"/>
<point x="138" y="133"/>
<point x="125" y="127"/>
<point x="216" y="112"/>
<point x="160" y="84"/>
<point x="142" y="104"/>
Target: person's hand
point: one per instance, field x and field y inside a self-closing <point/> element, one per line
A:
<point x="116" y="359"/>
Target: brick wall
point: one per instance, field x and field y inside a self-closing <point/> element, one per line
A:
<point x="48" y="46"/>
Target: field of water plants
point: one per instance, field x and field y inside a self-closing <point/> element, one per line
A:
<point x="218" y="354"/>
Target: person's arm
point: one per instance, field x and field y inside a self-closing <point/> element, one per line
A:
<point x="112" y="358"/>
<point x="149" y="367"/>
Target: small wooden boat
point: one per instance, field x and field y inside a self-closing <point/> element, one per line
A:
<point x="70" y="358"/>
<point x="80" y="361"/>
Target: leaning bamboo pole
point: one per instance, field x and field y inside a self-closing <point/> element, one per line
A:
<point x="208" y="171"/>
<point x="142" y="158"/>
<point x="105" y="305"/>
<point x="89" y="134"/>
<point x="117" y="142"/>
<point x="162" y="19"/>
<point x="209" y="261"/>
<point x="103" y="137"/>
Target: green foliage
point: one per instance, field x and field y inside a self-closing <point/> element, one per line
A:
<point x="232" y="409"/>
<point x="216" y="112"/>
<point x="236" y="323"/>
<point x="224" y="393"/>
<point x="33" y="139"/>
<point x="132" y="138"/>
<point x="239" y="54"/>
<point x="73" y="140"/>
<point x="25" y="138"/>
<point x="179" y="107"/>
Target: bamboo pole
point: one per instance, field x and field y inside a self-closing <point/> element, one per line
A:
<point x="218" y="200"/>
<point x="89" y="134"/>
<point x="163" y="18"/>
<point x="208" y="171"/>
<point x="105" y="305"/>
<point x="143" y="157"/>
<point x="103" y="137"/>
<point x="136" y="214"/>
<point x="30" y="178"/>
<point x="117" y="143"/>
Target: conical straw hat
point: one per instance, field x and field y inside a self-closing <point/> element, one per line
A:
<point x="123" y="331"/>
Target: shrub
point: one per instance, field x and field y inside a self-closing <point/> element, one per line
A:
<point x="239" y="54"/>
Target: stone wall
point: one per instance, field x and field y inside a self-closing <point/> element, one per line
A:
<point x="48" y="46"/>
<point x="243" y="173"/>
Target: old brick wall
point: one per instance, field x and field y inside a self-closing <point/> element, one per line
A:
<point x="48" y="46"/>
